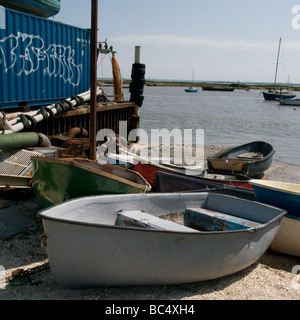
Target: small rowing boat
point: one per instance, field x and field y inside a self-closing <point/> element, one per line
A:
<point x="124" y="240"/>
<point x="250" y="159"/>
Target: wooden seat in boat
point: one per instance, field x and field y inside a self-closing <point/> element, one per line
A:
<point x="140" y="219"/>
<point x="210" y="220"/>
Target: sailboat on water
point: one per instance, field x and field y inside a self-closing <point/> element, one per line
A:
<point x="274" y="94"/>
<point x="192" y="88"/>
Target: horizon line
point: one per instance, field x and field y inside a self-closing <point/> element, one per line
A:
<point x="212" y="81"/>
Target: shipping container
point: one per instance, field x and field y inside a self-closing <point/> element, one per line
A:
<point x="41" y="60"/>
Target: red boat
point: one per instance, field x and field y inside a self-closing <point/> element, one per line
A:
<point x="148" y="171"/>
<point x="148" y="168"/>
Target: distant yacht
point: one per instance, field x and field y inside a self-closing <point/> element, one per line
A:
<point x="274" y="94"/>
<point x="191" y="88"/>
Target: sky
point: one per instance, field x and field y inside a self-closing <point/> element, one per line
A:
<point x="220" y="40"/>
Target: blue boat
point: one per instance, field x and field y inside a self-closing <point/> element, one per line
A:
<point x="250" y="159"/>
<point x="273" y="94"/>
<point x="279" y="194"/>
<point x="191" y="89"/>
<point x="286" y="196"/>
<point x="278" y="95"/>
<point x="41" y="8"/>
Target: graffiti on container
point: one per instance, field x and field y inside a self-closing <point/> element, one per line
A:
<point x="23" y="54"/>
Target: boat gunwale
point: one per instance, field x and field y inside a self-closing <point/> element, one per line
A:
<point x="74" y="163"/>
<point x="265" y="185"/>
<point x="217" y="185"/>
<point x="291" y="217"/>
<point x="135" y="229"/>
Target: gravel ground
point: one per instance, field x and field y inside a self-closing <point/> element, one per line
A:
<point x="270" y="278"/>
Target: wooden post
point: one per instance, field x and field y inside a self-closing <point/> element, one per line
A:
<point x="93" y="79"/>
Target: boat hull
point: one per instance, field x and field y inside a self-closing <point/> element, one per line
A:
<point x="86" y="249"/>
<point x="168" y="182"/>
<point x="286" y="196"/>
<point x="287" y="240"/>
<point x="191" y="90"/>
<point x="250" y="159"/>
<point x="277" y="96"/>
<point x="56" y="180"/>
<point x="292" y="102"/>
<point x="278" y="194"/>
<point x="148" y="170"/>
<point x="212" y="88"/>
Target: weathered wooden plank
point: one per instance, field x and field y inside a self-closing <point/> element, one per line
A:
<point x="142" y="219"/>
<point x="210" y="220"/>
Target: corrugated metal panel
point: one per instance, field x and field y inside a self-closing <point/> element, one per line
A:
<point x="41" y="60"/>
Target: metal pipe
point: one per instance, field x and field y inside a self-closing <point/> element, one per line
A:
<point x="94" y="21"/>
<point x="19" y="140"/>
<point x="137" y="55"/>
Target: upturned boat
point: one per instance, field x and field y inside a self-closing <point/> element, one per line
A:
<point x="55" y="180"/>
<point x="124" y="240"/>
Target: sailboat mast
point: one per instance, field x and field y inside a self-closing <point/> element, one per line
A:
<point x="277" y="62"/>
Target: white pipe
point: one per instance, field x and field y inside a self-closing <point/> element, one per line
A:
<point x="137" y="58"/>
<point x="13" y="125"/>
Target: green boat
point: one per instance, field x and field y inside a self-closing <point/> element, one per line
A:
<point x="55" y="180"/>
<point x="41" y="8"/>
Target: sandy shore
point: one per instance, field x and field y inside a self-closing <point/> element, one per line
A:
<point x="270" y="278"/>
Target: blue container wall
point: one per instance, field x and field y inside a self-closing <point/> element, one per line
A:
<point x="41" y="60"/>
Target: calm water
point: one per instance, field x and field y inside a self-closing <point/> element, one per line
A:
<point x="227" y="118"/>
